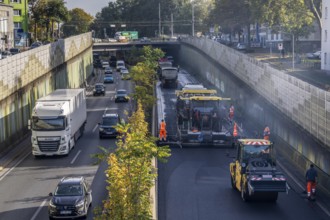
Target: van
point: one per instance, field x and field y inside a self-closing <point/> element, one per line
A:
<point x="120" y="64"/>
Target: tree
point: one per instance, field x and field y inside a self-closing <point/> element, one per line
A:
<point x="144" y="76"/>
<point x="46" y="12"/>
<point x="294" y="17"/>
<point x="130" y="173"/>
<point x="79" y="22"/>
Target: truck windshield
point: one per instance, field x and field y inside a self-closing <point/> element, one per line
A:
<point x="257" y="151"/>
<point x="48" y="124"/>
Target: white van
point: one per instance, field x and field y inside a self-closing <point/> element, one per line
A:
<point x="120" y="64"/>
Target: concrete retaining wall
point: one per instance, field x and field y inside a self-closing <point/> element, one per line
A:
<point x="32" y="74"/>
<point x="307" y="105"/>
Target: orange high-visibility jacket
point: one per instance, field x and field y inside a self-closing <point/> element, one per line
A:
<point x="162" y="125"/>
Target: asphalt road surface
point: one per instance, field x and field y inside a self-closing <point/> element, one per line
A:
<point x="195" y="183"/>
<point x="25" y="187"/>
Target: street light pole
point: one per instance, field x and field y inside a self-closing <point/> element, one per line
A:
<point x="192" y="19"/>
<point x="292" y="52"/>
<point x="159" y="24"/>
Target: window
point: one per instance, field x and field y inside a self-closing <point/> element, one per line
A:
<point x="326" y="13"/>
<point x="17" y="25"/>
<point x="325" y="58"/>
<point x="15" y="1"/>
<point x="17" y="12"/>
<point x="325" y="35"/>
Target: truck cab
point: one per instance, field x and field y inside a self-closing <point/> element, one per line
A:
<point x="57" y="121"/>
<point x="253" y="171"/>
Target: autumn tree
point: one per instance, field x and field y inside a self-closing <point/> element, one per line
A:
<point x="130" y="173"/>
<point x="144" y="76"/>
<point x="79" y="22"/>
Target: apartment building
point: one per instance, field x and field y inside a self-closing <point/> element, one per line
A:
<point x="6" y="27"/>
<point x="325" y="42"/>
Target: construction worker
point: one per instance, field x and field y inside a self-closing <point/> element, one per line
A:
<point x="235" y="132"/>
<point x="311" y="178"/>
<point x="266" y="133"/>
<point x="231" y="112"/>
<point x="162" y="131"/>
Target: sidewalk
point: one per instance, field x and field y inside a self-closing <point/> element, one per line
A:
<point x="305" y="69"/>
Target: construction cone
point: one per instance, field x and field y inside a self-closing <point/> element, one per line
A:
<point x="235" y="132"/>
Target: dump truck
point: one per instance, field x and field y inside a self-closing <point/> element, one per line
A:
<point x="253" y="172"/>
<point x="58" y="120"/>
<point x="169" y="77"/>
<point x="200" y="117"/>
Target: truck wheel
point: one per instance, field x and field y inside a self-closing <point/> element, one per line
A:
<point x="244" y="194"/>
<point x="232" y="183"/>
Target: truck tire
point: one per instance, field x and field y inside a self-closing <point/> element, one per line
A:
<point x="244" y="194"/>
<point x="232" y="183"/>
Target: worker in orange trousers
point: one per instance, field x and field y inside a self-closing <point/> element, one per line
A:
<point x="162" y="131"/>
<point x="266" y="133"/>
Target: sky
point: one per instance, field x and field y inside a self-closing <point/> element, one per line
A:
<point x="89" y="6"/>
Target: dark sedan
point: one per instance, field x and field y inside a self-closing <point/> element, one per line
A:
<point x="71" y="199"/>
<point x="99" y="89"/>
<point x="107" y="126"/>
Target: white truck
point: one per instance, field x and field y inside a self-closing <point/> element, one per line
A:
<point x="58" y="120"/>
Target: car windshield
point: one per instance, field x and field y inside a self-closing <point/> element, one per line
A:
<point x="48" y="124"/>
<point x="69" y="190"/>
<point x="257" y="151"/>
<point x="110" y="121"/>
<point x="120" y="92"/>
<point x="99" y="86"/>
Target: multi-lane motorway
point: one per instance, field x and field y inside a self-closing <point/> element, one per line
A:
<point x="25" y="187"/>
<point x="193" y="184"/>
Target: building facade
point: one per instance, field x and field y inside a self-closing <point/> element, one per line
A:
<point x="6" y="27"/>
<point x="20" y="21"/>
<point x="325" y="42"/>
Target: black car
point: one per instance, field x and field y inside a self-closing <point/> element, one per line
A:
<point x="99" y="89"/>
<point x="106" y="127"/>
<point x="14" y="51"/>
<point x="71" y="199"/>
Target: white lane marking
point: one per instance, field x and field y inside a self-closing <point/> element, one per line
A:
<point x="2" y="177"/>
<point x="100" y="109"/>
<point x="105" y="110"/>
<point x="324" y="209"/>
<point x="95" y="128"/>
<point x="39" y="209"/>
<point x="74" y="159"/>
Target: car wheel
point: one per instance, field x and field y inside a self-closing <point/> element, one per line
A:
<point x="51" y="218"/>
<point x="100" y="136"/>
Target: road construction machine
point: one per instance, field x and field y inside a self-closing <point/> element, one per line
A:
<point x="201" y="117"/>
<point x="253" y="172"/>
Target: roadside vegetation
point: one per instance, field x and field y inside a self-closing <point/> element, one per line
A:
<point x="130" y="174"/>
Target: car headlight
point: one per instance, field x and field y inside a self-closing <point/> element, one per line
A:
<point x="51" y="204"/>
<point x="94" y="90"/>
<point x="80" y="204"/>
<point x="101" y="129"/>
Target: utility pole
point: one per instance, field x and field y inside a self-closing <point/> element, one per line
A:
<point x="292" y="52"/>
<point x="159" y="24"/>
<point x="172" y="25"/>
<point x="193" y="19"/>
